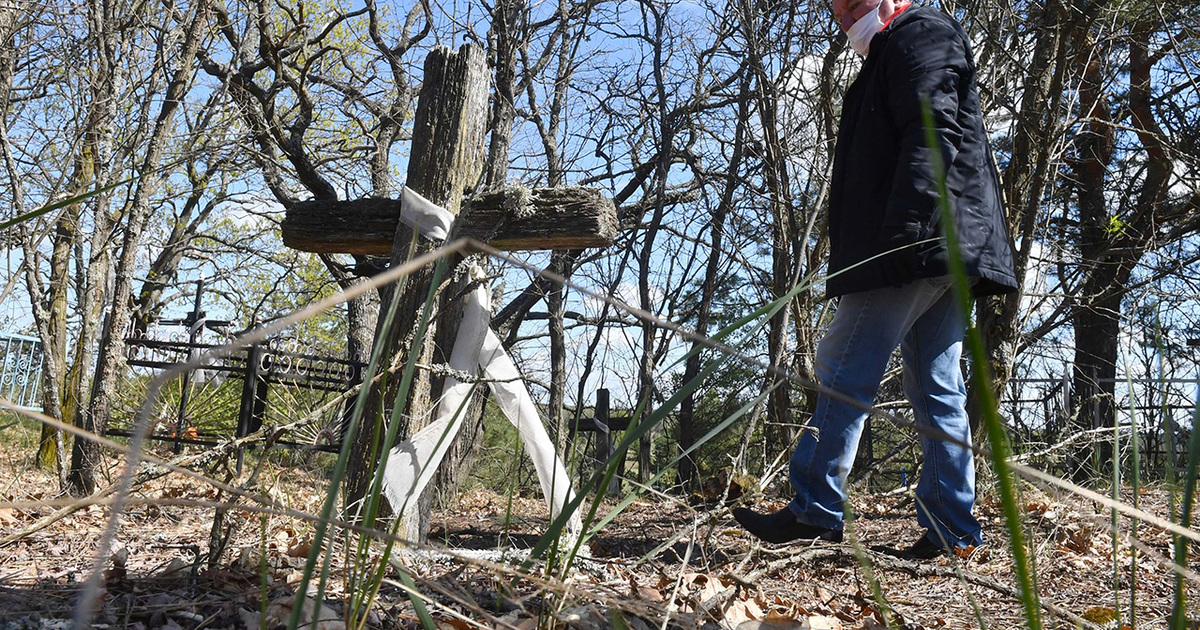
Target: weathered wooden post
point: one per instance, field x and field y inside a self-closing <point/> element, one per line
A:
<point x="603" y="423"/>
<point x="445" y="162"/>
<point x="444" y="166"/>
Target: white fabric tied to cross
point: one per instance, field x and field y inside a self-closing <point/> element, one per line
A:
<point x="412" y="463"/>
<point x="429" y="219"/>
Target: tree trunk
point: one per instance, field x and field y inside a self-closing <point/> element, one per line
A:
<point x="560" y="263"/>
<point x="779" y="432"/>
<point x="503" y="42"/>
<point x="1097" y="331"/>
<point x="708" y="289"/>
<point x="86" y="453"/>
<point x="95" y="161"/>
<point x="1024" y="183"/>
<point x="1114" y="232"/>
<point x="54" y="339"/>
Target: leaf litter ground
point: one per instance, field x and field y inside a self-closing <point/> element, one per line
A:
<point x="661" y="563"/>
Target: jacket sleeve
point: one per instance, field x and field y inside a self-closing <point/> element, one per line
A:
<point x="926" y="62"/>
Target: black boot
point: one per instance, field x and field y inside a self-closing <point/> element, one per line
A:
<point x="782" y="527"/>
<point x="927" y="547"/>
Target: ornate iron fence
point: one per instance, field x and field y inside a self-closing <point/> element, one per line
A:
<point x="21" y="370"/>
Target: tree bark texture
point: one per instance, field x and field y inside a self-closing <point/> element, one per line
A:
<point x="93" y="168"/>
<point x="1036" y="140"/>
<point x="49" y="312"/>
<point x="503" y="41"/>
<point x="779" y="434"/>
<point x="1114" y="234"/>
<point x="560" y="263"/>
<point x="708" y="290"/>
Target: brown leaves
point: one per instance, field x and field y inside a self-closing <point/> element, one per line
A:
<point x="774" y="621"/>
<point x="118" y="571"/>
<point x="644" y="592"/>
<point x="454" y="623"/>
<point x="708" y="596"/>
<point x="300" y="547"/>
<point x="1076" y="536"/>
<point x="1106" y="617"/>
<point x="280" y="611"/>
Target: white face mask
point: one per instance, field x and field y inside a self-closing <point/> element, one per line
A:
<point x="863" y="30"/>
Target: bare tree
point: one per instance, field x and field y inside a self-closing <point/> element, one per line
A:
<point x="182" y="47"/>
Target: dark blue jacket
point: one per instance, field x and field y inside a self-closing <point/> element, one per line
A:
<point x="884" y="194"/>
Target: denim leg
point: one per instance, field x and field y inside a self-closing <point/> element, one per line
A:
<point x="933" y="383"/>
<point x="851" y="359"/>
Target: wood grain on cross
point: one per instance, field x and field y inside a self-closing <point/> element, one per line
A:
<point x="444" y="167"/>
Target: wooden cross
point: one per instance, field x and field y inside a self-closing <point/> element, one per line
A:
<point x="444" y="165"/>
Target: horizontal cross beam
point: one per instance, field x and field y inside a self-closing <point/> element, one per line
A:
<point x="515" y="218"/>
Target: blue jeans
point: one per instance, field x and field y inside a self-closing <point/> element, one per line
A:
<point x="923" y="319"/>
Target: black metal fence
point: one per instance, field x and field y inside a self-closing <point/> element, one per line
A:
<point x="233" y="396"/>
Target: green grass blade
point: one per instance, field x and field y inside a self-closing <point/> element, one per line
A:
<point x="981" y="374"/>
<point x="50" y="207"/>
<point x="1115" y="520"/>
<point x="599" y="480"/>
<point x="712" y="433"/>
<point x="371" y="589"/>
<point x="374" y="494"/>
<point x="868" y="570"/>
<point x="1135" y="476"/>
<point x="1179" y="608"/>
<point x="342" y="464"/>
<point x="414" y="596"/>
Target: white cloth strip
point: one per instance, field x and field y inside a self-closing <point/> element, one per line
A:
<point x="514" y="400"/>
<point x="429" y="219"/>
<point x="412" y="463"/>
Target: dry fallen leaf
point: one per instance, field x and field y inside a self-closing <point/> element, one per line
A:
<point x="453" y="623"/>
<point x="644" y="592"/>
<point x="280" y="611"/>
<point x="1076" y="537"/>
<point x="741" y="611"/>
<point x="1101" y="615"/>
<point x="781" y="624"/>
<point x="300" y="548"/>
<point x="821" y="622"/>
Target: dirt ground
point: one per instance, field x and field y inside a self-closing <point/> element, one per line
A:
<point x="660" y="563"/>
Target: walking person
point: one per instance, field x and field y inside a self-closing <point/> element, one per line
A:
<point x="888" y="269"/>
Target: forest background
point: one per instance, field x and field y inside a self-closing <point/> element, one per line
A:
<point x="149" y="144"/>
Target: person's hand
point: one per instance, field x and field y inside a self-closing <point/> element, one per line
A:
<point x="902" y="265"/>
